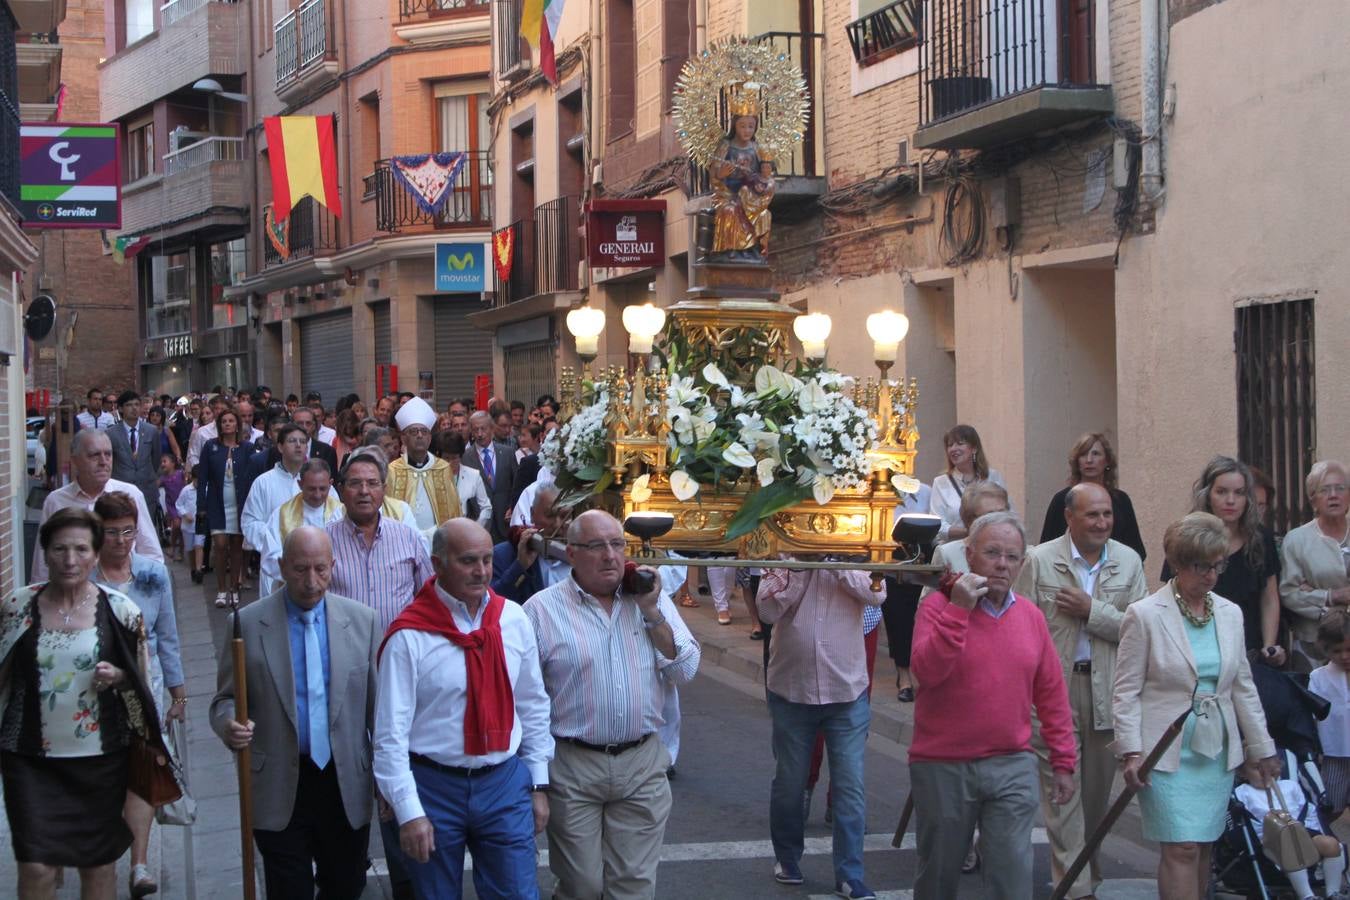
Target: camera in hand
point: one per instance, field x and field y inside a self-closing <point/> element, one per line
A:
<point x="637" y="581"/>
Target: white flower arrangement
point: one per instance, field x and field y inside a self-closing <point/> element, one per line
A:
<point x="580" y="447"/>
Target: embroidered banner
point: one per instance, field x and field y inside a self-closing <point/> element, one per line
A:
<point x="429" y="177"/>
<point x="503" y="252"/>
<point x="277" y="232"/>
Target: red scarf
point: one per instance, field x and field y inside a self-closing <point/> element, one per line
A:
<point x="491" y="710"/>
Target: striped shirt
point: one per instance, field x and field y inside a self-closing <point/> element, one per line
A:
<point x="384" y="576"/>
<point x="604" y="676"/>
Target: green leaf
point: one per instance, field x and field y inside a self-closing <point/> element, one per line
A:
<point x="592" y="472"/>
<point x="605" y="481"/>
<point x="763" y="503"/>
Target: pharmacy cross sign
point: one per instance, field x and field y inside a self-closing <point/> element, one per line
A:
<point x="70" y="175"/>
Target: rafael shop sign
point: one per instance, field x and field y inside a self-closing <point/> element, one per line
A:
<point x="625" y="234"/>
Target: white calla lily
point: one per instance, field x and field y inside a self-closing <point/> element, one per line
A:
<point x="813" y="397"/>
<point x="771" y="379"/>
<point x="641" y="492"/>
<point x="737" y="455"/>
<point x="714" y="376"/>
<point x="823" y="489"/>
<point x="906" y="484"/>
<point x="682" y="486"/>
<point x="764" y="471"/>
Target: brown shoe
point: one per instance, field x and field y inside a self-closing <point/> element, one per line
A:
<point x="685" y="599"/>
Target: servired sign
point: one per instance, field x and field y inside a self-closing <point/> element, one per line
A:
<point x="626" y="233"/>
<point x="69" y="175"/>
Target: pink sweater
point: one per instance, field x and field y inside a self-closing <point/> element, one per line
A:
<point x="979" y="678"/>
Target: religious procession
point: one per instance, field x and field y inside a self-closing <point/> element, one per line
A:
<point x="644" y="543"/>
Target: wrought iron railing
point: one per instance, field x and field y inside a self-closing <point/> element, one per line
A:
<point x="311" y="230"/>
<point x="803" y="49"/>
<point x="547" y="251"/>
<point x="973" y="52"/>
<point x="208" y="150"/>
<point x="507" y="39"/>
<point x="890" y="30"/>
<point x="303" y="38"/>
<point x="9" y="113"/>
<point x="416" y="9"/>
<point x="469" y="203"/>
<point x="177" y="10"/>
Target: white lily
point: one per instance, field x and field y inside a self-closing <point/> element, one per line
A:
<point x="737" y="455"/>
<point x="764" y="471"/>
<point x="760" y="440"/>
<point x="682" y="486"/>
<point x="714" y="376"/>
<point x="681" y="390"/>
<point x="640" y="492"/>
<point x="738" y="397"/>
<point x="703" y="429"/>
<point x="823" y="489"/>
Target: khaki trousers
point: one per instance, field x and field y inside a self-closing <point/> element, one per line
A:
<point x="606" y="821"/>
<point x="1068" y="826"/>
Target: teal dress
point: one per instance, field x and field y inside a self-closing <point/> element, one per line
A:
<point x="1190" y="804"/>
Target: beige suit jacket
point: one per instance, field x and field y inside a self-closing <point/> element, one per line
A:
<point x="1120" y="582"/>
<point x="1156" y="675"/>
<point x="353" y="640"/>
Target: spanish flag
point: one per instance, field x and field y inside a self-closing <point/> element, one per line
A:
<point x="539" y="25"/>
<point x="303" y="152"/>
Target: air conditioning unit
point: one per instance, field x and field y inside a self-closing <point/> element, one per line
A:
<point x="182" y="137"/>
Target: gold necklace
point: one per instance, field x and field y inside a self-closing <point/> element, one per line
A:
<point x="1197" y="621"/>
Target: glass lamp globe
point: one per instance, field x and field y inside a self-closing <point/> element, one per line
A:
<point x="887" y="329"/>
<point x="585" y="323"/>
<point x="643" y="324"/>
<point x="812" y="329"/>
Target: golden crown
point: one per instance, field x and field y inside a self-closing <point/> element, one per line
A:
<point x="743" y="103"/>
<point x="767" y="155"/>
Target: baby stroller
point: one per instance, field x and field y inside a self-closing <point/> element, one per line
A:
<point x="1239" y="864"/>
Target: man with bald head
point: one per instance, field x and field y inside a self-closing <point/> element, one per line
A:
<point x="310" y="659"/>
<point x="462" y="743"/>
<point x="1083" y="581"/>
<point x="91" y="461"/>
<point x="607" y="653"/>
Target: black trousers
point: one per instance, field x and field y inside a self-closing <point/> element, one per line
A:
<point x="898" y="612"/>
<point x="317" y="837"/>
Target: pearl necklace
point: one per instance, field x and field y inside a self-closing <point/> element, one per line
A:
<point x="1198" y="621"/>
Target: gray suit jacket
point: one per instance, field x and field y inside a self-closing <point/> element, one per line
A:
<point x="499" y="490"/>
<point x="142" y="467"/>
<point x="353" y="640"/>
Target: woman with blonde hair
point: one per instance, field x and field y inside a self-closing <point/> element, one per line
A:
<point x="1317" y="560"/>
<point x="966" y="464"/>
<point x="1093" y="459"/>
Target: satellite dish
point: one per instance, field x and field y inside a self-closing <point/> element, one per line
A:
<point x="41" y="316"/>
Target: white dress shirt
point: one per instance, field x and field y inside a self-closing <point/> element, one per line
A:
<point x="946" y="500"/>
<point x="423" y="696"/>
<point x="147" y="541"/>
<point x="469" y="483"/>
<point x="1087" y="580"/>
<point x="270" y="489"/>
<point x="200" y="436"/>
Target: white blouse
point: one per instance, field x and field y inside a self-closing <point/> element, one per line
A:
<point x="946" y="500"/>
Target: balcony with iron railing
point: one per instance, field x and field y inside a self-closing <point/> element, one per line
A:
<point x="996" y="71"/>
<point x="884" y="33"/>
<point x="198" y="185"/>
<point x="800" y="173"/>
<point x="437" y="21"/>
<point x="547" y="252"/>
<point x="306" y="51"/>
<point x="511" y="54"/>
<point x="432" y="9"/>
<point x="469" y="203"/>
<point x="311" y="230"/>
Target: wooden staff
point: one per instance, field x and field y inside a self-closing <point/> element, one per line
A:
<point x="1104" y="827"/>
<point x="904" y="821"/>
<point x="243" y="760"/>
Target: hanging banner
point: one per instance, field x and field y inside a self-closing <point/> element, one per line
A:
<point x="429" y="177"/>
<point x="278" y="233"/>
<point x="461" y="268"/>
<point x="625" y="233"/>
<point x="504" y="252"/>
<point x="69" y="176"/>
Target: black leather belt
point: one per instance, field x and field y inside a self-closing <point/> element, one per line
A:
<point x="607" y="749"/>
<point x="454" y="770"/>
<point x="1082" y="667"/>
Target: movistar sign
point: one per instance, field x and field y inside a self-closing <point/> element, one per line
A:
<point x="461" y="268"/>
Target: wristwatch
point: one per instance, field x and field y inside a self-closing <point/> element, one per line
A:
<point x="539" y="789"/>
<point x="661" y="620"/>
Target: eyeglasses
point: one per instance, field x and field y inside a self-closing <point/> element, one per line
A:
<point x="617" y="545"/>
<point x="1333" y="489"/>
<point x="1203" y="569"/>
<point x="1011" y="559"/>
<point x="125" y="534"/>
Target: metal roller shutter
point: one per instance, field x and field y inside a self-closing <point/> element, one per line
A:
<point x="462" y="351"/>
<point x="326" y="355"/>
<point x="529" y="372"/>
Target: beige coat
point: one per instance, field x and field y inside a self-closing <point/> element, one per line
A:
<point x="1120" y="582"/>
<point x="1314" y="560"/>
<point x="1156" y="675"/>
<point x="353" y="639"/>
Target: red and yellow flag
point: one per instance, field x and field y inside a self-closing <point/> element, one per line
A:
<point x="303" y="153"/>
<point x="539" y="25"/>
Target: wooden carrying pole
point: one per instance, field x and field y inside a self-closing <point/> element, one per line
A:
<point x="905" y="813"/>
<point x="244" y="761"/>
<point x="1104" y="827"/>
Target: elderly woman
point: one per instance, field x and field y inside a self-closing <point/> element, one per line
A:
<point x="72" y="653"/>
<point x="1252" y="570"/>
<point x="146" y="583"/>
<point x="966" y="464"/>
<point x="1183" y="647"/>
<point x="1093" y="459"/>
<point x="1316" y="558"/>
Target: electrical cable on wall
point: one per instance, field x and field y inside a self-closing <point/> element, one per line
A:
<point x="963" y="233"/>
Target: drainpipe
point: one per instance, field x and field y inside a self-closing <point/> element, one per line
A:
<point x="1150" y="88"/>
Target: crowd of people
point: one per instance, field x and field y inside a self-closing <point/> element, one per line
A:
<point x="458" y="658"/>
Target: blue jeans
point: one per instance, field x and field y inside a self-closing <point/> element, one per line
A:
<point x="794" y="733"/>
<point x="493" y="815"/>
